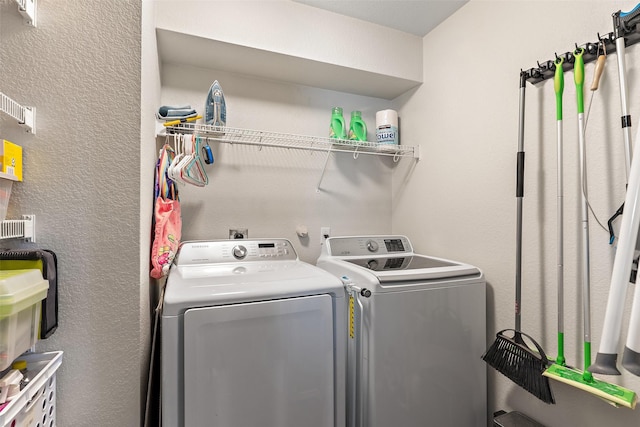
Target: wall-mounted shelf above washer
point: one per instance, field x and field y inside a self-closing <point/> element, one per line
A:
<point x="301" y="142"/>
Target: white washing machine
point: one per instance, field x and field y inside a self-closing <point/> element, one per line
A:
<point x="417" y="332"/>
<point x="252" y="337"/>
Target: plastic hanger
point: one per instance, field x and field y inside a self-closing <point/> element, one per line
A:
<point x="192" y="170"/>
<point x="172" y="171"/>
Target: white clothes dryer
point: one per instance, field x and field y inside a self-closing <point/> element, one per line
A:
<point x="417" y="332"/>
<point x="252" y="337"/>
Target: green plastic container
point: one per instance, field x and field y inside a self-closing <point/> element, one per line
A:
<point x="357" y="127"/>
<point x="337" y="129"/>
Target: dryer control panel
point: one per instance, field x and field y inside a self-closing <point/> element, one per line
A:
<point x="222" y="251"/>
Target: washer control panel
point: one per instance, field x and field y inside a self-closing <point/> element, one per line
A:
<point x="368" y="245"/>
<point x="219" y="251"/>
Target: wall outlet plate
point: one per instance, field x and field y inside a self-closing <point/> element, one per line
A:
<point x="325" y="233"/>
<point x="238" y="233"/>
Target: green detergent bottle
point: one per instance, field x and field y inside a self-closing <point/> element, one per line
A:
<point x="357" y="127"/>
<point x="337" y="129"/>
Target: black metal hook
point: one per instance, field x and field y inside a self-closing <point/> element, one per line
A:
<point x="577" y="49"/>
<point x="569" y="57"/>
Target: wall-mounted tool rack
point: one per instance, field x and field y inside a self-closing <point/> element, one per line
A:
<point x="624" y="26"/>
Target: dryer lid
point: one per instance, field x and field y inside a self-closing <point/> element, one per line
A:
<point x="191" y="284"/>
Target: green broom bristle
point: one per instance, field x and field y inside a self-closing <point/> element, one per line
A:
<point x="518" y="363"/>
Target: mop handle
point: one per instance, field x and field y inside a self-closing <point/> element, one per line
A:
<point x="558" y="84"/>
<point x="578" y="75"/>
<point x="519" y="197"/>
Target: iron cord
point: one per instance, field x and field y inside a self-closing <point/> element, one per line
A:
<point x="583" y="183"/>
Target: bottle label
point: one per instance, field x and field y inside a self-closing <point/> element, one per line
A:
<point x="387" y="134"/>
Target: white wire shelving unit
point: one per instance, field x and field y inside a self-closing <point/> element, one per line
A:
<point x="262" y="138"/>
<point x="301" y="142"/>
<point x="18" y="228"/>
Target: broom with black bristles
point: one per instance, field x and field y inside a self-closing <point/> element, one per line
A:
<point x="511" y="356"/>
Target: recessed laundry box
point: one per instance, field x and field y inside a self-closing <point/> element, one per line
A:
<point x="21" y="295"/>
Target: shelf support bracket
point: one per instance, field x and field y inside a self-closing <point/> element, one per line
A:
<point x="324" y="168"/>
<point x="27" y="9"/>
<point x="26" y="116"/>
<point x="24" y="228"/>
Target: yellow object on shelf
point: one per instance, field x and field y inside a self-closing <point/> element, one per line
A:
<point x="11" y="159"/>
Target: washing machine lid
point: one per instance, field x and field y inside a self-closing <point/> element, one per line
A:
<point x="208" y="274"/>
<point x="391" y="259"/>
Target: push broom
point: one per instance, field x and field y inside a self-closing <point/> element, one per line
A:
<point x="584" y="380"/>
<point x="510" y="355"/>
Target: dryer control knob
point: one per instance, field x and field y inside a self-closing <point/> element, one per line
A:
<point x="372" y="245"/>
<point x="372" y="264"/>
<point x="239" y="252"/>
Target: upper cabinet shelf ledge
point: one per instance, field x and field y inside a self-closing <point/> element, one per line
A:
<point x="340" y="54"/>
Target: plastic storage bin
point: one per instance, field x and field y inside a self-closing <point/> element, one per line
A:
<point x="21" y="295"/>
<point x="35" y="406"/>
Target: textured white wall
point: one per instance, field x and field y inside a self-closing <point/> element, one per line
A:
<point x="460" y="200"/>
<point x="81" y="69"/>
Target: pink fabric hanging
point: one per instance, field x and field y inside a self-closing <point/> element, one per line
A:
<point x="166" y="236"/>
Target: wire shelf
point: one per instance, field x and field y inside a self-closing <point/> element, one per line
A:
<point x="301" y="142"/>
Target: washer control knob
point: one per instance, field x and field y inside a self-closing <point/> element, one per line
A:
<point x="365" y="293"/>
<point x="372" y="264"/>
<point x="372" y="245"/>
<point x="239" y="252"/>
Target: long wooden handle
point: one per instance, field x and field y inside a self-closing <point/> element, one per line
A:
<point x="598" y="72"/>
